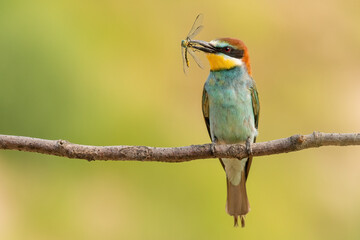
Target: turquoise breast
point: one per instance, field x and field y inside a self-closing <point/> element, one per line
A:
<point x="230" y="108"/>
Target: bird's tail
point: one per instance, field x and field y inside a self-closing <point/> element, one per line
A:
<point x="237" y="203"/>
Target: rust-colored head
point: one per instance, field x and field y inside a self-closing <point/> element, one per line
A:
<point x="225" y="53"/>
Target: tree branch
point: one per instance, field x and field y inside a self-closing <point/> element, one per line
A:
<point x="176" y="154"/>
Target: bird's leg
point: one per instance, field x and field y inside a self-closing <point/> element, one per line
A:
<point x="248" y="146"/>
<point x="213" y="144"/>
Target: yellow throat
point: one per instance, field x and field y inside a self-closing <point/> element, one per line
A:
<point x="218" y="62"/>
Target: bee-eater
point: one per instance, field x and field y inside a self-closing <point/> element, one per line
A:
<point x="230" y="105"/>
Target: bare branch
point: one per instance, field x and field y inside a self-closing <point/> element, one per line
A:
<point x="176" y="154"/>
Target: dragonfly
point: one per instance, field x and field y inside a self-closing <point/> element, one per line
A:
<point x="186" y="46"/>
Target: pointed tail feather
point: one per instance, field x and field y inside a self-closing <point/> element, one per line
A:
<point x="237" y="203"/>
<point x="242" y="219"/>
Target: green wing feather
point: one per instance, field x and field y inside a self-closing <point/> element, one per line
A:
<point x="255" y="105"/>
<point x="205" y="110"/>
<point x="256" y="109"/>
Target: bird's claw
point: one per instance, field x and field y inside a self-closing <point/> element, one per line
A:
<point x="248" y="147"/>
<point x="212" y="147"/>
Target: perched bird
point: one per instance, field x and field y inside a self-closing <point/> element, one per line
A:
<point x="230" y="105"/>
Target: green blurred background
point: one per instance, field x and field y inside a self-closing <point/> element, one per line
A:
<point x="110" y="73"/>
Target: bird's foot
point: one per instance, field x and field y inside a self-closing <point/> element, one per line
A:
<point x="212" y="148"/>
<point x="213" y="144"/>
<point x="248" y="146"/>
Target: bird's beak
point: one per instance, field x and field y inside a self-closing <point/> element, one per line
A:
<point x="202" y="46"/>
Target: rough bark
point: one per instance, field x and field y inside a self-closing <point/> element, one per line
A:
<point x="176" y="154"/>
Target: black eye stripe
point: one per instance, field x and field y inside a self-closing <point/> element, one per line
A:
<point x="235" y="53"/>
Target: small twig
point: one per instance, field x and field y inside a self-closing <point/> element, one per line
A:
<point x="176" y="154"/>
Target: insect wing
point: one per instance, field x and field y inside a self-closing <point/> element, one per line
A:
<point x="196" y="25"/>
<point x="196" y="59"/>
<point x="195" y="32"/>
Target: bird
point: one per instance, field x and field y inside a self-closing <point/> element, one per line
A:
<point x="230" y="105"/>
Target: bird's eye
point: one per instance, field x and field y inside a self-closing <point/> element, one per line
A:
<point x="227" y="49"/>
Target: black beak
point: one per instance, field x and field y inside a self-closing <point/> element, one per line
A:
<point x="202" y="46"/>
